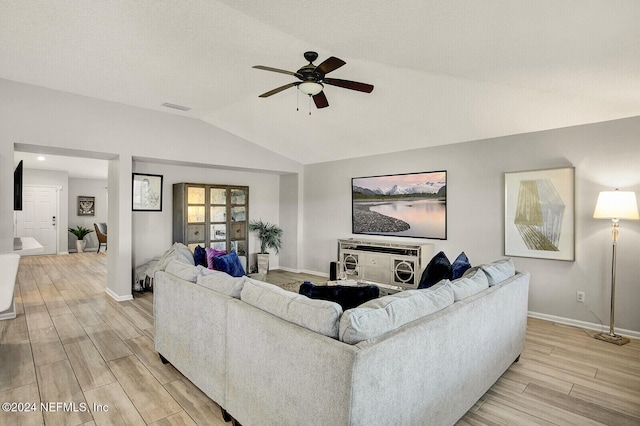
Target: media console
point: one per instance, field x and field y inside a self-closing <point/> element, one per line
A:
<point x="391" y="266"/>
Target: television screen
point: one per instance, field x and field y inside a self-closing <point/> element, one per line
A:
<point x="17" y="187"/>
<point x="404" y="205"/>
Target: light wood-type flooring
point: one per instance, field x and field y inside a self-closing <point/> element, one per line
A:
<point x="71" y="343"/>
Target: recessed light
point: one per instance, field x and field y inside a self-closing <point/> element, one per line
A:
<point x="41" y="158"/>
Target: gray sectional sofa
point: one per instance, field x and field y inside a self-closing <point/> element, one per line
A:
<point x="269" y="356"/>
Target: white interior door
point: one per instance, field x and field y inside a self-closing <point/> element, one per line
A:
<point x="38" y="216"/>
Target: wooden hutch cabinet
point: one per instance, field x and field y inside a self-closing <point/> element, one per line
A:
<point x="211" y="216"/>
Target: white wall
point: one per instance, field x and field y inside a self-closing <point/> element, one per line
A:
<point x="152" y="231"/>
<point x="605" y="156"/>
<point x="91" y="188"/>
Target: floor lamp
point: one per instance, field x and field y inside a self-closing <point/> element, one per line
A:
<point x="615" y="205"/>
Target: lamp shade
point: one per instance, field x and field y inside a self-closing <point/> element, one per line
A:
<point x="616" y="205"/>
<point x="310" y="88"/>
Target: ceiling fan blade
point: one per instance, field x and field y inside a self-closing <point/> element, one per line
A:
<point x="321" y="100"/>
<point x="262" y="67"/>
<point x="330" y="64"/>
<point x="353" y="85"/>
<point x="277" y="90"/>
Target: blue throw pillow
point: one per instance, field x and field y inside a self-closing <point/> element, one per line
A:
<point x="230" y="264"/>
<point x="460" y="266"/>
<point x="199" y="256"/>
<point x="346" y="296"/>
<point x="438" y="269"/>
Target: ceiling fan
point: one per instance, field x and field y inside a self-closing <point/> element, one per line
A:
<point x="312" y="79"/>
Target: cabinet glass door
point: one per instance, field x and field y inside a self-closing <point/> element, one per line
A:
<point x="238" y="220"/>
<point x="195" y="216"/>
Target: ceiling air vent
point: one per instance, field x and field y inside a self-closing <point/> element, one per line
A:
<point x="174" y="106"/>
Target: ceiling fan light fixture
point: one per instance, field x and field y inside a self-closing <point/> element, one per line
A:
<point x="310" y="88"/>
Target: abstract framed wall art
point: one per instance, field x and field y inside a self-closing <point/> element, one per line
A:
<point x="402" y="205"/>
<point x="539" y="218"/>
<point x="147" y="192"/>
<point x="86" y="206"/>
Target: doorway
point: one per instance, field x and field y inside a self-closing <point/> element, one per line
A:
<point x="39" y="216"/>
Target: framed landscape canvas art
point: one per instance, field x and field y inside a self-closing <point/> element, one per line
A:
<point x="539" y="214"/>
<point x="403" y="205"/>
<point x="147" y="192"/>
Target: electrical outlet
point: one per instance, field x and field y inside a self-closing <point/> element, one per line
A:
<point x="580" y="296"/>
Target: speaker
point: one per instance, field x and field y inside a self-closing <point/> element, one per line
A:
<point x="333" y="271"/>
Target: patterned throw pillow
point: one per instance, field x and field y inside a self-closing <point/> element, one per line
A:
<point x="211" y="253"/>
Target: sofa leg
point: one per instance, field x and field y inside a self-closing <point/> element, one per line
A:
<point x="517" y="359"/>
<point x="225" y="416"/>
<point x="163" y="359"/>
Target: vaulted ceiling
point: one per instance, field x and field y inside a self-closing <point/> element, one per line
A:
<point x="443" y="71"/>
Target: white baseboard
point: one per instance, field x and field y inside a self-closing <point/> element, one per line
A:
<point x="584" y="324"/>
<point x="116" y="297"/>
<point x="63" y="252"/>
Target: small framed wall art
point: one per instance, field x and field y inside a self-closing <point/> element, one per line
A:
<point x="86" y="206"/>
<point x="540" y="214"/>
<point x="147" y="192"/>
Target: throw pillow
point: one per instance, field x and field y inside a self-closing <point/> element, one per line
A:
<point x="439" y="268"/>
<point x="460" y="266"/>
<point x="499" y="271"/>
<point x="211" y="253"/>
<point x="199" y="256"/>
<point x="346" y="296"/>
<point x="230" y="264"/>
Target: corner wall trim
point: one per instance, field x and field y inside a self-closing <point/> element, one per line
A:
<point x="583" y="324"/>
<point x="116" y="297"/>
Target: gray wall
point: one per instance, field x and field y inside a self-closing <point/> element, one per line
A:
<point x="605" y="156"/>
<point x="92" y="188"/>
<point x="63" y="123"/>
<point x="153" y="230"/>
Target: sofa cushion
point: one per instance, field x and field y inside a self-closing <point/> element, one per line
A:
<point x="460" y="266"/>
<point x="230" y="264"/>
<point x="222" y="283"/>
<point x="211" y="254"/>
<point x="183" y="270"/>
<point x="439" y="268"/>
<point x="379" y="316"/>
<point x="177" y="251"/>
<point x="499" y="271"/>
<point x="320" y="316"/>
<point x="199" y="256"/>
<point x="469" y="284"/>
<point x="346" y="296"/>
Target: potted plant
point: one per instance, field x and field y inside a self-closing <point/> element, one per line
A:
<point x="270" y="237"/>
<point x="80" y="232"/>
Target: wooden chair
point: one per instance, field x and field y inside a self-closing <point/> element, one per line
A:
<point x="101" y="233"/>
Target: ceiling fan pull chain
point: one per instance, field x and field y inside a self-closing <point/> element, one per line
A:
<point x="297" y="100"/>
<point x="309" y="104"/>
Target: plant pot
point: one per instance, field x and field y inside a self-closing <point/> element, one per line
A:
<point x="263" y="263"/>
<point x="80" y="245"/>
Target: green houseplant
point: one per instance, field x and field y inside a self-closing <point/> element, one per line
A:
<point x="270" y="236"/>
<point x="80" y="232"/>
